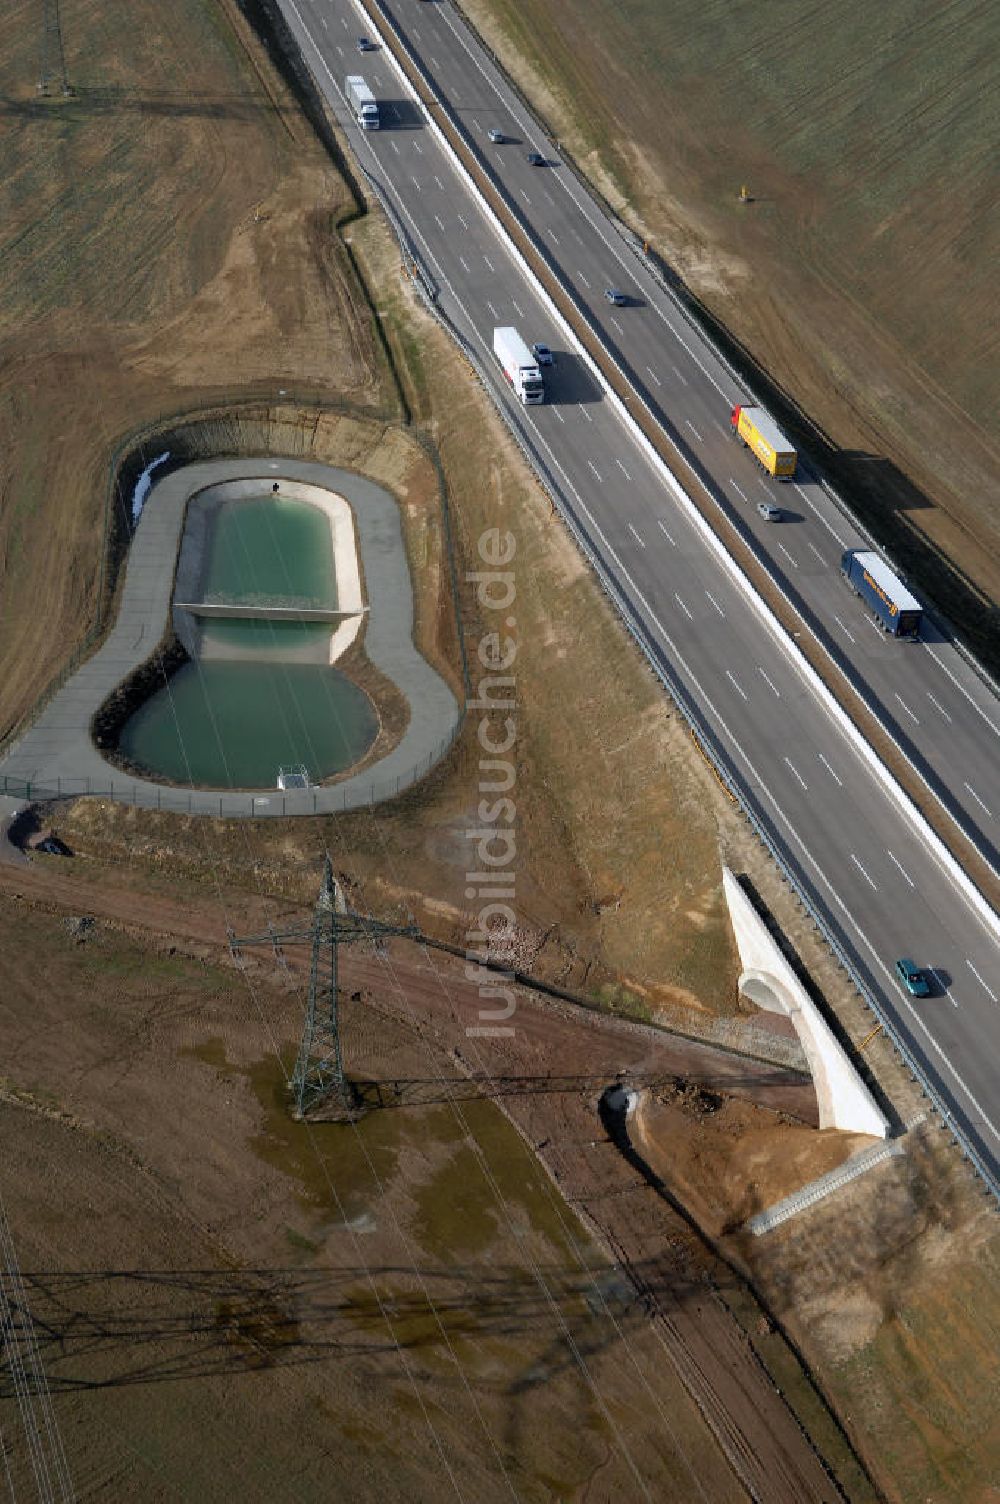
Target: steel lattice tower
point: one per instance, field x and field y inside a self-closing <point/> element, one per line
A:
<point x="319" y="1070"/>
<point x="53" y="73"/>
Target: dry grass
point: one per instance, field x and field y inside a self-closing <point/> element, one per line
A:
<point x="862" y="275"/>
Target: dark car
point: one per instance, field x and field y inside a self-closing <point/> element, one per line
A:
<point x="365" y="44"/>
<point x="543" y="355"/>
<point x="536" y="159"/>
<point x="615" y="296"/>
<point x="912" y="977"/>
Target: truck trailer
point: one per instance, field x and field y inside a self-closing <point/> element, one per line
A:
<point x="362" y="101"/>
<point x="896" y="610"/>
<point x="519" y="365"/>
<point x="765" y="440"/>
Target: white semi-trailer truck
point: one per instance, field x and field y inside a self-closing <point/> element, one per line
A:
<point x="362" y="101"/>
<point x="519" y="365"/>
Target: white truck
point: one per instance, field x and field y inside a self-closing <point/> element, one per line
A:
<point x="362" y="101"/>
<point x="519" y="365"/>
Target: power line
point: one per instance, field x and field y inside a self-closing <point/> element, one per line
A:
<point x="53" y="71"/>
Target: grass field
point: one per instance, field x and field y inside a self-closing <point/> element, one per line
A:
<point x="862" y="276"/>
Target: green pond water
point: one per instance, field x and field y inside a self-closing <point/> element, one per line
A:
<point x="232" y="725"/>
<point x="262" y="693"/>
<point x="270" y="548"/>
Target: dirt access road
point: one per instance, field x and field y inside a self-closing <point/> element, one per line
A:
<point x="547" y="1078"/>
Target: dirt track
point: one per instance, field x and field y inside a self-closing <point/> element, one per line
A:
<point x="547" y="1078"/>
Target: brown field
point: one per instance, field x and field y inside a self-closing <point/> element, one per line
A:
<point x="229" y="1301"/>
<point x="862" y="276"/>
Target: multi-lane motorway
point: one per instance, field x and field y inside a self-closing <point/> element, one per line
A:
<point x="870" y="870"/>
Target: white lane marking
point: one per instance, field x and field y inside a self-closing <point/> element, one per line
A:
<point x="684" y="608"/>
<point x="986" y="987"/>
<point x="614" y="321"/>
<point x="474" y="121"/>
<point x="435" y="63"/>
<point x="493" y="310"/>
<point x="906" y="707"/>
<point x="861" y="869"/>
<point x="440" y="184"/>
<point x="594" y="468"/>
<point x="418" y="148"/>
<point x="817" y="552"/>
<point x="343" y="23"/>
<point x="468" y="268"/>
<point x="977" y="798"/>
<point x="547" y="194"/>
<point x="897" y="863"/>
<point x="553" y="237"/>
<point x="917" y="1019"/>
<point x="814" y="508"/>
<point x="739" y="490"/>
<point x="517" y="310"/>
<point x="635" y="535"/>
<point x="416" y="36"/>
<point x="583" y="279"/>
<point x="715" y="603"/>
<point x="394" y="147"/>
<point x="769" y="682"/>
<point x="938" y="706"/>
<point x="959" y="685"/>
<point x="339" y="48"/>
<point x="557" y="413"/>
<point x="765" y="487"/>
<point x="586" y="414"/>
<point x="623" y="470"/>
<point x="844" y="629"/>
<point x="829" y="769"/>
<point x="788" y="556"/>
<point x="795" y="772"/>
<point x="527" y="200"/>
<point x="666" y="535"/>
<point x="654" y="375"/>
<point x="440" y="222"/>
<point x="679" y="374"/>
<point x="916" y="1016"/>
<point x="738" y="687"/>
<point x="940" y="981"/>
<point x="326" y="24"/>
<point x="463" y="222"/>
<point x="489" y="263"/>
<point x="694" y="430"/>
<point x="414" y="182"/>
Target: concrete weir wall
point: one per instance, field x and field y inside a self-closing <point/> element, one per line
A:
<point x="189" y="586"/>
<point x="768" y="980"/>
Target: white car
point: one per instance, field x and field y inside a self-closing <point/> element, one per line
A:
<point x="497" y="137"/>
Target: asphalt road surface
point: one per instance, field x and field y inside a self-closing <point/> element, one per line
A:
<point x="882" y="890"/>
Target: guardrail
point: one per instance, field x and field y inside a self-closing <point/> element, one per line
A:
<point x="692" y="716"/>
<point x="821" y="1187"/>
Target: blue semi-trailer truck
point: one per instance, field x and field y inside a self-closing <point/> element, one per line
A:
<point x="896" y="610"/>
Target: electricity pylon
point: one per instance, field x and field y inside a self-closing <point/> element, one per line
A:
<point x="53" y="72"/>
<point x="319" y="1069"/>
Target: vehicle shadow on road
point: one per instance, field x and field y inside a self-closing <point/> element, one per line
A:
<point x="569" y="382"/>
<point x="400" y="115"/>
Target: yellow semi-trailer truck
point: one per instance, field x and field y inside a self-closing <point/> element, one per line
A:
<point x="765" y="439"/>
